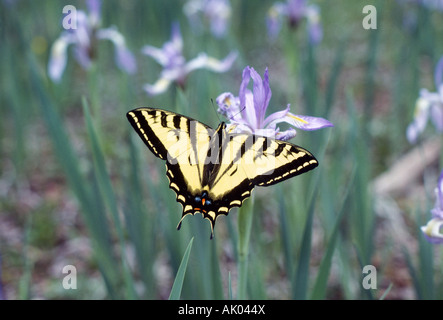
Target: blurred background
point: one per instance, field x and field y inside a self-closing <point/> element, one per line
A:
<point x="79" y="188"/>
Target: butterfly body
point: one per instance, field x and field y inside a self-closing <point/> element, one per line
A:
<point x="212" y="171"/>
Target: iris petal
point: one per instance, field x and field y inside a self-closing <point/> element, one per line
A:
<point x="123" y="57"/>
<point x="84" y="37"/>
<point x="58" y="57"/>
<point x="175" y="67"/>
<point x="229" y="106"/>
<point x="253" y="106"/>
<point x="160" y="86"/>
<point x="433" y="231"/>
<point x="307" y="122"/>
<point x="260" y="96"/>
<point x="246" y="76"/>
<point x="203" y="61"/>
<point x="276" y="117"/>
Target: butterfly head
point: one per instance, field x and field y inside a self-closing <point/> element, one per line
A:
<point x="222" y="126"/>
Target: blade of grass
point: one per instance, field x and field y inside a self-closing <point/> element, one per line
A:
<point x="217" y="285"/>
<point x="320" y="286"/>
<point x="202" y="282"/>
<point x="286" y="237"/>
<point x="334" y="76"/>
<point x="371" y="68"/>
<point x="367" y="292"/>
<point x="413" y="274"/>
<point x="95" y="217"/>
<point x="107" y="192"/>
<point x="24" y="288"/>
<point x="256" y="285"/>
<point x="245" y="214"/>
<point x="362" y="224"/>
<point x="383" y="296"/>
<point x="2" y="293"/>
<point x="311" y="79"/>
<point x="426" y="260"/>
<point x="229" y="286"/>
<point x="178" y="281"/>
<point x="300" y="286"/>
<point x="140" y="222"/>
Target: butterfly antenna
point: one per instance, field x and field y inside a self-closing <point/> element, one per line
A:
<point x="231" y="118"/>
<point x="213" y="107"/>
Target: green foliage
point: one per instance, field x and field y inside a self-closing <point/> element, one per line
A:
<point x="178" y="281"/>
<point x="69" y="150"/>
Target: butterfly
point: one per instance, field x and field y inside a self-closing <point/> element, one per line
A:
<point x="212" y="171"/>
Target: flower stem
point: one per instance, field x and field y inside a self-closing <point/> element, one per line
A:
<point x="244" y="232"/>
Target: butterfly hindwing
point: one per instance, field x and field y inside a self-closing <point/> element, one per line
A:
<point x="212" y="171"/>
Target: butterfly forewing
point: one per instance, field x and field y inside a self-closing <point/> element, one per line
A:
<point x="256" y="160"/>
<point x="280" y="161"/>
<point x="181" y="141"/>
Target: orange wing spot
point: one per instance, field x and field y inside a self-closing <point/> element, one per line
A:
<point x="203" y="201"/>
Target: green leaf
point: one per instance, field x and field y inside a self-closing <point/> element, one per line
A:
<point x="386" y="291"/>
<point x="107" y="192"/>
<point x="24" y="287"/>
<point x="178" y="282"/>
<point x="82" y="187"/>
<point x="320" y="286"/>
<point x="334" y="76"/>
<point x="229" y="286"/>
<point x="413" y="273"/>
<point x="302" y="273"/>
<point x="426" y="265"/>
<point x="245" y="214"/>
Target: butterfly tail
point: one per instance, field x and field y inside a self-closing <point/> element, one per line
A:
<point x="204" y="216"/>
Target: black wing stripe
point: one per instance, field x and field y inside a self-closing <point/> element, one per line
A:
<point x="289" y="170"/>
<point x="246" y="145"/>
<point x="194" y="145"/>
<point x="176" y="121"/>
<point x="143" y="129"/>
<point x="279" y="150"/>
<point x="163" y="121"/>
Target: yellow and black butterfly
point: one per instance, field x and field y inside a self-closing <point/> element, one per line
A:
<point x="210" y="170"/>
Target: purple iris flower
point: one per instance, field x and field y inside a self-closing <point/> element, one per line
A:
<point x="433" y="4"/>
<point x="84" y="38"/>
<point x="428" y="105"/>
<point x="293" y="11"/>
<point x="433" y="229"/>
<point x="247" y="112"/>
<point x="216" y="13"/>
<point x="175" y="67"/>
<point x="430" y="4"/>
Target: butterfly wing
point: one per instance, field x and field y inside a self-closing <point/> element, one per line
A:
<point x="249" y="160"/>
<point x="275" y="161"/>
<point x="183" y="142"/>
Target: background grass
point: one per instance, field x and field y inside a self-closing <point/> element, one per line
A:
<point x="78" y="187"/>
